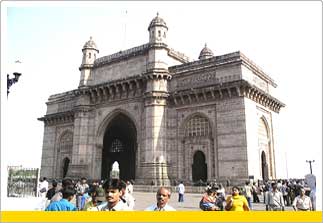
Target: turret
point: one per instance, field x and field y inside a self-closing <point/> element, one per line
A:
<point x="89" y="55"/>
<point x="205" y="53"/>
<point x="157" y="30"/>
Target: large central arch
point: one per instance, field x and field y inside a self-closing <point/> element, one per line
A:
<point x="119" y="144"/>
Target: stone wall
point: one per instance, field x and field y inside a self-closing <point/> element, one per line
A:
<point x="232" y="139"/>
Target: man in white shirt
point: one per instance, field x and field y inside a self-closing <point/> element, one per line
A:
<point x="162" y="196"/>
<point x="302" y="202"/>
<point x="127" y="197"/>
<point x="43" y="187"/>
<point x="275" y="200"/>
<point x="181" y="190"/>
<point x="113" y="193"/>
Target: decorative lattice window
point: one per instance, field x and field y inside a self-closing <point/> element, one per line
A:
<point x="66" y="143"/>
<point x="116" y="146"/>
<point x="197" y="126"/>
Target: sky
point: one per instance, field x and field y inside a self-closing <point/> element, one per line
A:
<point x="283" y="38"/>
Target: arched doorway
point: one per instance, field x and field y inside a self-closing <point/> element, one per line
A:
<point x="264" y="166"/>
<point x="66" y="163"/>
<point x="119" y="144"/>
<point x="199" y="167"/>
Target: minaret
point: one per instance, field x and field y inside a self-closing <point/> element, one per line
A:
<point x="89" y="55"/>
<point x="155" y="163"/>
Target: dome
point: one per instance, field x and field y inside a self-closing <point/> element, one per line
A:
<point x="90" y="44"/>
<point x="157" y="21"/>
<point x="205" y="53"/>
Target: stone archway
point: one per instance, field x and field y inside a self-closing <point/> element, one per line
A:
<point x="199" y="167"/>
<point x="264" y="166"/>
<point x="119" y="144"/>
<point x="66" y="162"/>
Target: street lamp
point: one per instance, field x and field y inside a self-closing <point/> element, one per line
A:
<point x="11" y="81"/>
<point x="310" y="161"/>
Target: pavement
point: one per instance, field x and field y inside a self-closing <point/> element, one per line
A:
<point x="191" y="202"/>
<point x="143" y="200"/>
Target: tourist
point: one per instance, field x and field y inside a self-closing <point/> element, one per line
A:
<point x="208" y="201"/>
<point x="181" y="191"/>
<point x="126" y="197"/>
<point x="274" y="199"/>
<point x="65" y="203"/>
<point x="255" y="193"/>
<point x="51" y="192"/>
<point x="113" y="193"/>
<point x="302" y="202"/>
<point x="284" y="191"/>
<point x="236" y="202"/>
<point x="43" y="187"/>
<point x="66" y="182"/>
<point x="162" y="197"/>
<point x="130" y="186"/>
<point x="248" y="193"/>
<point x="81" y="188"/>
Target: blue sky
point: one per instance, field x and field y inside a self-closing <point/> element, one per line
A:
<point x="283" y="38"/>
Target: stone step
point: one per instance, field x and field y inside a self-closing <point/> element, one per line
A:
<point x="188" y="189"/>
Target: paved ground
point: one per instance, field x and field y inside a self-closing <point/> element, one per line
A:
<point x="191" y="202"/>
<point x="143" y="200"/>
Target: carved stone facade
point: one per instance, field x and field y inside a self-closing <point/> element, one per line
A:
<point x="162" y="117"/>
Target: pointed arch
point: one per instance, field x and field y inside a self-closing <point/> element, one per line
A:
<point x="265" y="147"/>
<point x="105" y="122"/>
<point x="64" y="153"/>
<point x="196" y="125"/>
<point x="199" y="167"/>
<point x="117" y="138"/>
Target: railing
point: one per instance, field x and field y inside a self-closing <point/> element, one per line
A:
<point x="22" y="182"/>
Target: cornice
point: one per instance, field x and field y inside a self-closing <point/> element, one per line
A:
<point x="223" y="91"/>
<point x="58" y="118"/>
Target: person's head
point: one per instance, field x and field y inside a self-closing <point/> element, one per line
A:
<point x="44" y="178"/>
<point x="113" y="191"/>
<point x="100" y="195"/>
<point x="247" y="182"/>
<point x="162" y="196"/>
<point x="68" y="193"/>
<point x="274" y="186"/>
<point x="302" y="191"/>
<point x="123" y="187"/>
<point x="83" y="180"/>
<point x="211" y="191"/>
<point x="54" y="183"/>
<point x="235" y="190"/>
<point x="94" y="200"/>
<point x="67" y="182"/>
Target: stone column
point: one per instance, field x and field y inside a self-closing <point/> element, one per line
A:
<point x="83" y="142"/>
<point x="154" y="167"/>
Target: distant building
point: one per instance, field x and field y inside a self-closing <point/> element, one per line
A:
<point x="162" y="118"/>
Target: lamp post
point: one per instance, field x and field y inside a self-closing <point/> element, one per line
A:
<point x="310" y="162"/>
<point x="11" y="81"/>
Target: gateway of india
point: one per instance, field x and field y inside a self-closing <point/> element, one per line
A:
<point x="162" y="117"/>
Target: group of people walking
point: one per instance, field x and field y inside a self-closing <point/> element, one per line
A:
<point x="112" y="195"/>
<point x="117" y="195"/>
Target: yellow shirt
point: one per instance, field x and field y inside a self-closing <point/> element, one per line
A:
<point x="239" y="202"/>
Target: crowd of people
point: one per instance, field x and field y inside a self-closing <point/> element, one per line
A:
<point x="117" y="195"/>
